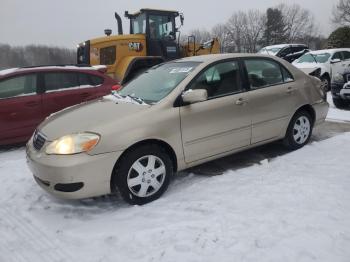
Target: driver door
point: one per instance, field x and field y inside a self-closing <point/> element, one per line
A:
<point x="222" y="123"/>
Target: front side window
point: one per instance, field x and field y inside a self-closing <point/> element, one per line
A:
<point x="158" y="81"/>
<point x="108" y="55"/>
<point x="219" y="80"/>
<point x="346" y="55"/>
<point x="60" y="80"/>
<point x="161" y="26"/>
<point x="262" y="73"/>
<point x="18" y="86"/>
<point x="337" y="55"/>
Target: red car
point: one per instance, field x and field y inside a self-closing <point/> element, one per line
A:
<point x="29" y="95"/>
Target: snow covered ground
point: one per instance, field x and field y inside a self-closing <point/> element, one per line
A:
<point x="293" y="207"/>
<point x="335" y="114"/>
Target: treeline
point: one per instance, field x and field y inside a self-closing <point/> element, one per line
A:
<point x="34" y="55"/>
<point x="249" y="31"/>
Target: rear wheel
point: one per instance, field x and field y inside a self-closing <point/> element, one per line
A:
<point x="299" y="130"/>
<point x="143" y="174"/>
<point x="326" y="83"/>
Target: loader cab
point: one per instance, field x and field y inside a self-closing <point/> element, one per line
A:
<point x="160" y="29"/>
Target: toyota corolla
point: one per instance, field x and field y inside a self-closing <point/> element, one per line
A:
<point x="175" y="115"/>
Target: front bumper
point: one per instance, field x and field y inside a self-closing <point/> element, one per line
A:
<point x="341" y="90"/>
<point x="72" y="176"/>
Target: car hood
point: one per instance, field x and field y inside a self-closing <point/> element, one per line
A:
<point x="310" y="67"/>
<point x="89" y="117"/>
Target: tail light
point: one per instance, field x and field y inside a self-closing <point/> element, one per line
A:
<point x="116" y="87"/>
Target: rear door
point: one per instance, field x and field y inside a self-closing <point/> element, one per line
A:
<point x="273" y="98"/>
<point x="20" y="108"/>
<point x="92" y="86"/>
<point x="61" y="89"/>
<point x="338" y="66"/>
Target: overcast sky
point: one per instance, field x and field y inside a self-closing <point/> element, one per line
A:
<point x="68" y="22"/>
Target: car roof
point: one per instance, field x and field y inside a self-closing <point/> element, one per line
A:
<point x="283" y="45"/>
<point x="33" y="69"/>
<point x="217" y="57"/>
<point x="331" y="51"/>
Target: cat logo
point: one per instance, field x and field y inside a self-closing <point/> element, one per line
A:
<point x="135" y="46"/>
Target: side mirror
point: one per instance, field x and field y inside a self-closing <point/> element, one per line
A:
<point x="194" y="96"/>
<point x="334" y="61"/>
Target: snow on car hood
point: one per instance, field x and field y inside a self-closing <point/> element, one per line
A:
<point x="309" y="67"/>
<point x="88" y="116"/>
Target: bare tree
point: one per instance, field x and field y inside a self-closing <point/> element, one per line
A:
<point x="253" y="28"/>
<point x="220" y="31"/>
<point x="235" y="26"/>
<point x="201" y="35"/>
<point x="299" y="22"/>
<point x="341" y="13"/>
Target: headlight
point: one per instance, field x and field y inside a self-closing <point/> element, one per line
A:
<point x="338" y="78"/>
<point x="73" y="144"/>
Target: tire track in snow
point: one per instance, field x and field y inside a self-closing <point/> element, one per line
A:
<point x="29" y="242"/>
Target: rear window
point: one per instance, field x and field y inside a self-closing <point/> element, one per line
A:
<point x="18" y="86"/>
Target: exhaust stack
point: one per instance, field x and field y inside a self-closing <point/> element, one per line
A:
<point x="119" y="22"/>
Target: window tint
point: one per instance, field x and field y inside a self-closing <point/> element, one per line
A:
<point x="337" y="55"/>
<point x="285" y="51"/>
<point x="262" y="72"/>
<point x="96" y="80"/>
<point x="346" y="55"/>
<point x="220" y="79"/>
<point x="17" y="86"/>
<point x="60" y="80"/>
<point x="84" y="80"/>
<point x="297" y="49"/>
<point x="107" y="55"/>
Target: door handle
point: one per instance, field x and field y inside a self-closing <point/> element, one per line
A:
<point x="289" y="90"/>
<point x="240" y="101"/>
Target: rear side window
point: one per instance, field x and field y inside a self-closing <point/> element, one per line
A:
<point x="107" y="55"/>
<point x="90" y="80"/>
<point x="18" y="86"/>
<point x="220" y="79"/>
<point x="287" y="76"/>
<point x="60" y="80"/>
<point x="346" y="55"/>
<point x="263" y="72"/>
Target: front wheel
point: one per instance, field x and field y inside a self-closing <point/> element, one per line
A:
<point x="299" y="130"/>
<point x="143" y="174"/>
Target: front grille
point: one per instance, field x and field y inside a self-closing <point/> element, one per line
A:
<point x="38" y="140"/>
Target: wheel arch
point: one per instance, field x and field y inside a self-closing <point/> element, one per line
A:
<point x="170" y="151"/>
<point x="308" y="108"/>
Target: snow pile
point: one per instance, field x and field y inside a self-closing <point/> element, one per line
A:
<point x="293" y="208"/>
<point x="335" y="114"/>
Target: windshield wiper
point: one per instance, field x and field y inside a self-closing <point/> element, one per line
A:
<point x="314" y="58"/>
<point x="134" y="98"/>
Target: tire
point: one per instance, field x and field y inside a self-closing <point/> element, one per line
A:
<point x="299" y="130"/>
<point x="326" y="82"/>
<point x="138" y="187"/>
<point x="340" y="103"/>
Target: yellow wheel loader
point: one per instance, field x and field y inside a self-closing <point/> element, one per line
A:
<point x="153" y="39"/>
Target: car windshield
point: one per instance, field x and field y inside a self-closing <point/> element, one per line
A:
<point x="272" y="50"/>
<point x="158" y="81"/>
<point x="314" y="58"/>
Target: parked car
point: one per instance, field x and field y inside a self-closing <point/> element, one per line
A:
<point x="340" y="88"/>
<point x="288" y="52"/>
<point x="176" y="115"/>
<point x="29" y="95"/>
<point x="330" y="61"/>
